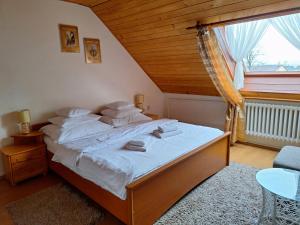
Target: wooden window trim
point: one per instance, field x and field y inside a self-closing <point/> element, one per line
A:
<point x="271" y="96"/>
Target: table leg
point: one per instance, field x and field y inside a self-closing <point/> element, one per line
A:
<point x="277" y="210"/>
<point x="274" y="216"/>
<point x="287" y="212"/>
<point x="267" y="214"/>
<point x="262" y="213"/>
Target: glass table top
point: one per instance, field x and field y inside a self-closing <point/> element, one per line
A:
<point x="283" y="182"/>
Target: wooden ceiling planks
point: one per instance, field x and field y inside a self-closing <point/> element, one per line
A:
<point x="154" y="33"/>
<point x="89" y="3"/>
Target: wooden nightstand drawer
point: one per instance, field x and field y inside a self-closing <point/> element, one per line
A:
<point x="23" y="161"/>
<point x="30" y="155"/>
<point x="27" y="169"/>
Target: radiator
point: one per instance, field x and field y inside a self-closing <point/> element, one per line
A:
<point x="279" y="122"/>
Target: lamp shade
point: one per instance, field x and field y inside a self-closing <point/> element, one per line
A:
<point x="139" y="99"/>
<point x="24" y="116"/>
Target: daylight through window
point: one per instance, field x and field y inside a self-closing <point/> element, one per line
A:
<point x="273" y="53"/>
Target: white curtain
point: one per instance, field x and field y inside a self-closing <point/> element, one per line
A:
<point x="289" y="27"/>
<point x="241" y="39"/>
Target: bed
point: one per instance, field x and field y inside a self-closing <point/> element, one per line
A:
<point x="152" y="188"/>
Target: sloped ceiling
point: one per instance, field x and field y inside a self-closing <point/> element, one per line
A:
<point x="153" y="31"/>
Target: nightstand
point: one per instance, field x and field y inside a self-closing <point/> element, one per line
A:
<point x="25" y="158"/>
<point x="152" y="116"/>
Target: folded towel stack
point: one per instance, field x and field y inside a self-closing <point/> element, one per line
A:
<point x="167" y="130"/>
<point x="135" y="145"/>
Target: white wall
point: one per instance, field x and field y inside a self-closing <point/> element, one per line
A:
<point x="197" y="109"/>
<point x="35" y="74"/>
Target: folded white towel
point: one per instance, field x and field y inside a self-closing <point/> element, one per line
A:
<point x="159" y="134"/>
<point x="134" y="148"/>
<point x="167" y="128"/>
<point x="138" y="143"/>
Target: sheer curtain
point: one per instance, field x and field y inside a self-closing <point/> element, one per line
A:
<point x="289" y="27"/>
<point x="241" y="39"/>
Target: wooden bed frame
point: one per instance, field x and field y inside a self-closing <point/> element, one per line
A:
<point x="153" y="194"/>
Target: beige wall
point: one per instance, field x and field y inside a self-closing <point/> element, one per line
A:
<point x="34" y="73"/>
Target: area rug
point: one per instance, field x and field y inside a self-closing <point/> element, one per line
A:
<point x="231" y="197"/>
<point x="57" y="205"/>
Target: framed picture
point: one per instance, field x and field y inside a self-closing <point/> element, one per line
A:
<point x="69" y="38"/>
<point x="92" y="50"/>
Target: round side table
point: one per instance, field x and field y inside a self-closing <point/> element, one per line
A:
<point x="281" y="196"/>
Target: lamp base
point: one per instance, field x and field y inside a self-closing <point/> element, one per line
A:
<point x="140" y="106"/>
<point x="25" y="128"/>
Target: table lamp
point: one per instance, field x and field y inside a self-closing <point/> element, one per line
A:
<point x="139" y="101"/>
<point x="24" y="120"/>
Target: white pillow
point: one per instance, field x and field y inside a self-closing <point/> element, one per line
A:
<point x="114" y="122"/>
<point x="51" y="131"/>
<point x="120" y="105"/>
<point x="63" y="135"/>
<point x="139" y="117"/>
<point x="67" y="122"/>
<point x="120" y="113"/>
<point x="118" y="122"/>
<point x="72" y="112"/>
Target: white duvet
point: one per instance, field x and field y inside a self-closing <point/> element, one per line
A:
<point x="101" y="159"/>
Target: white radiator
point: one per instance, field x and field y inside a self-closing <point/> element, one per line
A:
<point x="276" y="121"/>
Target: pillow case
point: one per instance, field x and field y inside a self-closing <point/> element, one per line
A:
<point x="120" y="113"/>
<point x="139" y="117"/>
<point x="120" y="105"/>
<point x="64" y="135"/>
<point x="67" y="122"/>
<point x="51" y="131"/>
<point x="118" y="122"/>
<point x="72" y="112"/>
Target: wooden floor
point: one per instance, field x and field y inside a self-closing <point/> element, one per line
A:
<point x="253" y="156"/>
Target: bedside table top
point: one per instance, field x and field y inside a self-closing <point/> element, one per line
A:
<point x="17" y="149"/>
<point x="31" y="134"/>
<point x="152" y="116"/>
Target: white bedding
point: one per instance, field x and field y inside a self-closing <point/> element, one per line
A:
<point x="101" y="159"/>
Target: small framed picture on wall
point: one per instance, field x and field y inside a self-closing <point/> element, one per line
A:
<point x="92" y="50"/>
<point x="69" y="38"/>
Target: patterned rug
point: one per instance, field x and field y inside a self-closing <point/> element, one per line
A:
<point x="231" y="197"/>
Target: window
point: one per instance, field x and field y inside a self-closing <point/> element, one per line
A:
<point x="273" y="53"/>
<point x="264" y="55"/>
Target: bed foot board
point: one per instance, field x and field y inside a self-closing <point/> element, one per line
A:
<point x="153" y="194"/>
